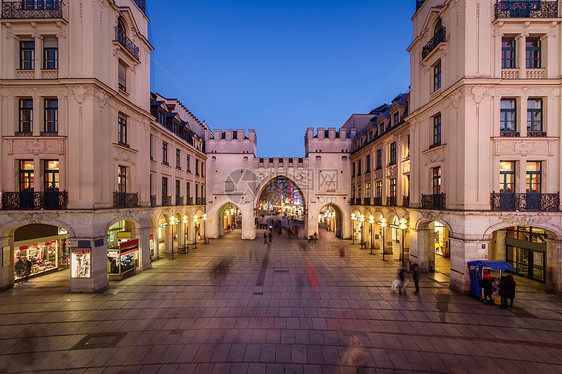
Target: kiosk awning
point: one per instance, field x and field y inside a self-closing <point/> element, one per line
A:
<point x="492" y="264"/>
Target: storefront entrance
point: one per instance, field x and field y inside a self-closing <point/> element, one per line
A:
<point x="40" y="249"/>
<point x="526" y="251"/>
<point x="122" y="251"/>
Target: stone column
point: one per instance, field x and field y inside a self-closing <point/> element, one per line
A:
<point x="248" y="222"/>
<point x="6" y="263"/>
<point x="522" y="116"/>
<point x="420" y="241"/>
<point x="553" y="266"/>
<point x="38" y="57"/>
<point x="143" y="235"/>
<point x="520" y="48"/>
<point x="97" y="248"/>
<point x="463" y="251"/>
<point x="497" y="69"/>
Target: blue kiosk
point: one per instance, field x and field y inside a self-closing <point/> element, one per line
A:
<point x="476" y="269"/>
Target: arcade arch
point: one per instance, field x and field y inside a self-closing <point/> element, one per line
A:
<point x="124" y="257"/>
<point x="434" y="246"/>
<point x="330" y="218"/>
<point x="229" y="219"/>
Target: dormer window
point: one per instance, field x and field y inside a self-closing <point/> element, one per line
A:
<point x="396" y="118"/>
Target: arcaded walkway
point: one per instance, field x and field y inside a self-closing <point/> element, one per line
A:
<point x="275" y="309"/>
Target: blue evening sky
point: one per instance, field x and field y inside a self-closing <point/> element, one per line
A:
<point x="280" y="66"/>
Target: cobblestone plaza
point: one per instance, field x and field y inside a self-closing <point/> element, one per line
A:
<point x="263" y="316"/>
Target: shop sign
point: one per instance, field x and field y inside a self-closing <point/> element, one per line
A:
<point x="62" y="231"/>
<point x="131" y="244"/>
<point x="80" y="263"/>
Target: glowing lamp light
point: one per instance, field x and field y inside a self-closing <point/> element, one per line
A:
<point x="403" y="225"/>
<point x="383" y="222"/>
<point x="204" y="217"/>
<point x="353" y="216"/>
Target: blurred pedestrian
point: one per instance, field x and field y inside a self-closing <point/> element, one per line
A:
<point x="403" y="275"/>
<point x="503" y="290"/>
<point x="313" y="280"/>
<point x="270" y="235"/>
<point x="342" y="256"/>
<point x="265" y="237"/>
<point x="416" y="274"/>
<point x="442" y="303"/>
<point x="510" y="294"/>
<point x="488" y="290"/>
<point x="355" y="356"/>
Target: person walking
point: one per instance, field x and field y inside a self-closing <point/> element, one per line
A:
<point x="510" y="289"/>
<point x="265" y="237"/>
<point x="488" y="290"/>
<point x="442" y="303"/>
<point x="416" y="275"/>
<point x="342" y="256"/>
<point x="270" y="235"/>
<point x="20" y="265"/>
<point x="503" y="291"/>
<point x="27" y="269"/>
<point x="403" y="276"/>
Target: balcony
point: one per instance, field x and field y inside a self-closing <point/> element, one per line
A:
<point x="152" y="200"/>
<point x="526" y="9"/>
<point x="127" y="43"/>
<point x="367" y="201"/>
<point x="32" y="9"/>
<point x="200" y="201"/>
<point x="536" y="134"/>
<point x="35" y="200"/>
<point x="434" y="201"/>
<point x="509" y="134"/>
<point x="546" y="202"/>
<point x="125" y="200"/>
<point x="391" y="201"/>
<point x="179" y="200"/>
<point x="406" y="201"/>
<point x="190" y="200"/>
<point x="166" y="200"/>
<point x="378" y="201"/>
<point x="439" y="37"/>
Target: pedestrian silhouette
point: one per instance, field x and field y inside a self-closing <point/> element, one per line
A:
<point x="442" y="303"/>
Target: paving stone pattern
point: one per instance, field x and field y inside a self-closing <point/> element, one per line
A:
<point x="264" y="315"/>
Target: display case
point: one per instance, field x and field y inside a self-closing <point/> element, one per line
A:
<point x="80" y="263"/>
<point x="124" y="260"/>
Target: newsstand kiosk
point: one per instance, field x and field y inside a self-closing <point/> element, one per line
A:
<point x="476" y="269"/>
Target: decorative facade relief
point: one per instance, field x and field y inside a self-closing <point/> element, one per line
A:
<point x="392" y="170"/>
<point x="434" y="155"/>
<point x="35" y="146"/>
<point x="543" y="147"/>
<point x="124" y="154"/>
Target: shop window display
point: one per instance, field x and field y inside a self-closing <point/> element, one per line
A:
<point x="123" y="260"/>
<point x="42" y="256"/>
<point x="81" y="266"/>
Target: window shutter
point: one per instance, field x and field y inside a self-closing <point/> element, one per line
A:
<point x="122" y="74"/>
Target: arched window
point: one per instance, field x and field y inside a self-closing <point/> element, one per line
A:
<point x="121" y="27"/>
<point x="438" y="27"/>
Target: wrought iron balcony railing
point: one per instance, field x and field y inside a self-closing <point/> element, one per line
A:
<point x="433" y="201"/>
<point x="125" y="199"/>
<point x="536" y="134"/>
<point x="152" y="200"/>
<point x="30" y="9"/>
<point x="406" y="201"/>
<point x="200" y="201"/>
<point x="377" y="201"/>
<point x="367" y="201"/>
<point x="391" y="201"/>
<point x="190" y="200"/>
<point x="546" y="202"/>
<point x="439" y="37"/>
<point x="179" y="200"/>
<point x="166" y="200"/>
<point x="509" y="134"/>
<point x="127" y="43"/>
<point x="35" y="200"/>
<point x="526" y="9"/>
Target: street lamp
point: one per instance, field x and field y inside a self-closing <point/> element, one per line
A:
<point x="403" y="227"/>
<point x="353" y="218"/>
<point x="196" y="221"/>
<point x="205" y="228"/>
<point x="173" y="222"/>
<point x="185" y="231"/>
<point x="383" y="225"/>
<point x="362" y="227"/>
<point x="371" y="221"/>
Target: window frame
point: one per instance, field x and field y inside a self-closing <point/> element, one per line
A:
<point x="531" y="124"/>
<point x="379" y="159"/>
<point x="392" y="187"/>
<point x="529" y="177"/>
<point x="437" y="76"/>
<point x="178" y="158"/>
<point x="51" y="126"/>
<point x="533" y="62"/>
<point x="393" y="151"/>
<point x="51" y="177"/>
<point x="165" y="153"/>
<point x="122" y="130"/>
<point x="21" y="122"/>
<point x="48" y="61"/>
<point x="121" y="179"/>
<point x="504" y="178"/>
<point x="436" y="180"/>
<point x="27" y="55"/>
<point x="29" y="181"/>
<point x="437" y="130"/>
<point x="512" y="110"/>
<point x="509" y="49"/>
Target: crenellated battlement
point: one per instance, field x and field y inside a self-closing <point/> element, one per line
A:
<point x="280" y="162"/>
<point x="328" y="140"/>
<point x="231" y="141"/>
